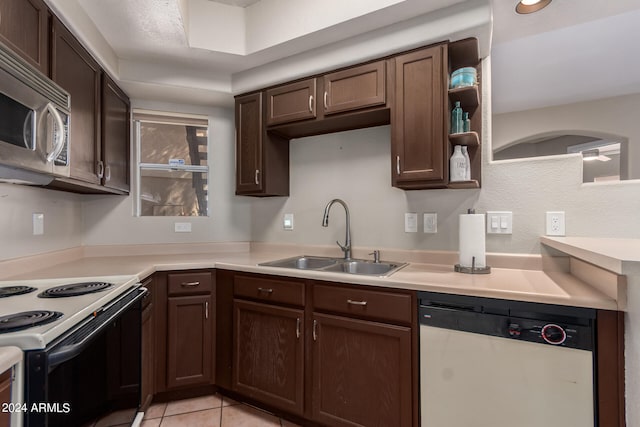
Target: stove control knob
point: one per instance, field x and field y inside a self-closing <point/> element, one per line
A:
<point x="553" y="334"/>
<point x="514" y="330"/>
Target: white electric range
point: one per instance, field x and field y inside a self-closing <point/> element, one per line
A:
<point x="70" y="309"/>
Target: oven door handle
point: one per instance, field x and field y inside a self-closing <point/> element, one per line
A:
<point x="67" y="352"/>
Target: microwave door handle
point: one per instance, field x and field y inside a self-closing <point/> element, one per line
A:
<point x="25" y="129"/>
<point x="59" y="143"/>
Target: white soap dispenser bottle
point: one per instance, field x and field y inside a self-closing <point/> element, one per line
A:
<point x="457" y="169"/>
<point x="467" y="163"/>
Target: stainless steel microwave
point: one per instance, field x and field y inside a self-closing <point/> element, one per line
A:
<point x="34" y="123"/>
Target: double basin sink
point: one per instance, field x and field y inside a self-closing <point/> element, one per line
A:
<point x="337" y="265"/>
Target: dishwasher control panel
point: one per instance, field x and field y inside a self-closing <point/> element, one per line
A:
<point x="539" y="323"/>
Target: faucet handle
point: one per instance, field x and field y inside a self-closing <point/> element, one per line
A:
<point x="376" y="256"/>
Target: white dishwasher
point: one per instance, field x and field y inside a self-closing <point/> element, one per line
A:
<point x="496" y="363"/>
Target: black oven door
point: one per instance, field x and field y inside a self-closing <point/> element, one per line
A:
<point x="90" y="374"/>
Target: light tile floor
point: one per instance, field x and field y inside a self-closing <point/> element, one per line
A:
<point x="209" y="411"/>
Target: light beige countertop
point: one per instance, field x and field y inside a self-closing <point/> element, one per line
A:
<point x="621" y="256"/>
<point x="9" y="356"/>
<point x="505" y="283"/>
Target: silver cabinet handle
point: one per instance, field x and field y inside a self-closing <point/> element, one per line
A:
<point x="257" y="181"/>
<point x="352" y="302"/>
<point x="59" y="143"/>
<point x="298" y="327"/>
<point x="206" y="309"/>
<point x="267" y="290"/>
<point x="189" y="284"/>
<point x="315" y="333"/>
<point x="326" y="105"/>
<point x="311" y="103"/>
<point x="107" y="173"/>
<point x="100" y="169"/>
<point x="398" y="165"/>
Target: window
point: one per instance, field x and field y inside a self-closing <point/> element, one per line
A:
<point x="172" y="164"/>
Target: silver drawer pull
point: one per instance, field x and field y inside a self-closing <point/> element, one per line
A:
<point x="206" y="309"/>
<point x="189" y="284"/>
<point x="311" y="103"/>
<point x="315" y="333"/>
<point x="352" y="302"/>
<point x="267" y="290"/>
<point x="298" y="327"/>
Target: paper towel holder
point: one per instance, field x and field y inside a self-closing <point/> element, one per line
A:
<point x="473" y="269"/>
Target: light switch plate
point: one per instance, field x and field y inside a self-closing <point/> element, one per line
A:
<point x="38" y="223"/>
<point x="410" y="222"/>
<point x="430" y="222"/>
<point x="499" y="222"/>
<point x="287" y="221"/>
<point x="182" y="227"/>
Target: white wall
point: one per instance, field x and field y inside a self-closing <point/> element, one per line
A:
<point x="356" y="166"/>
<point x="109" y="220"/>
<point x="62" y="220"/>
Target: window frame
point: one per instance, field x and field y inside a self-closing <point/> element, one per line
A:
<point x="172" y="119"/>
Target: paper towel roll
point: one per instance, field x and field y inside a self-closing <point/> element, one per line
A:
<point x="472" y="240"/>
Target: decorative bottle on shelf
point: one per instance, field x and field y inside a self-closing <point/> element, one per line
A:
<point x="456" y="118"/>
<point x="457" y="165"/>
<point x="466" y="123"/>
<point x="467" y="160"/>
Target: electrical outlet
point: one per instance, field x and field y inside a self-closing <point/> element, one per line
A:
<point x="430" y="222"/>
<point x="410" y="222"/>
<point x="182" y="227"/>
<point x="555" y="224"/>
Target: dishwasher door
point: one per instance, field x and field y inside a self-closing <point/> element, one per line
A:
<point x="470" y="379"/>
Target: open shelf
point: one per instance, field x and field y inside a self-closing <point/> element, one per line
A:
<point x="468" y="96"/>
<point x="464" y="184"/>
<point x="470" y="139"/>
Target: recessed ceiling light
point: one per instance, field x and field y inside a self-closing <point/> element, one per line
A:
<point x="530" y="6"/>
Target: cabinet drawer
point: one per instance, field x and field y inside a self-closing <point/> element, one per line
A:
<point x="391" y="306"/>
<point x="189" y="283"/>
<point x="269" y="289"/>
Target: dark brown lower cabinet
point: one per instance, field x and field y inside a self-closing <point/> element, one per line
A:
<point x="5" y="397"/>
<point x="189" y="336"/>
<point x="269" y="354"/>
<point x="361" y="372"/>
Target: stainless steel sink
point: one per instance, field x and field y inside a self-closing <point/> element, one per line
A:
<point x="303" y="262"/>
<point x="354" y="266"/>
<point x="366" y="267"/>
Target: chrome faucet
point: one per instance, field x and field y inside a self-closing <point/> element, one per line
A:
<point x="347" y="240"/>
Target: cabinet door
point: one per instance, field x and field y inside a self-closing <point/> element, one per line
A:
<point x="249" y="144"/>
<point x="361" y="372"/>
<point x="79" y="74"/>
<point x="189" y="348"/>
<point x="418" y="138"/>
<point x="24" y="27"/>
<point x="115" y="136"/>
<point x="5" y="397"/>
<point x="269" y="354"/>
<point x="354" y="88"/>
<point x="292" y="102"/>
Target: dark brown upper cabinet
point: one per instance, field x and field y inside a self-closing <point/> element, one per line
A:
<point x="418" y="132"/>
<point x="116" y="112"/>
<point x="354" y="88"/>
<point x="408" y="91"/>
<point x="24" y="27"/>
<point x="292" y="102"/>
<point x="262" y="160"/>
<point x="73" y="68"/>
